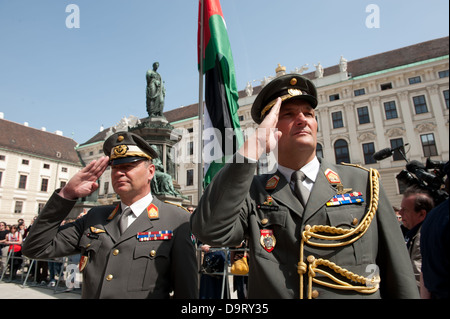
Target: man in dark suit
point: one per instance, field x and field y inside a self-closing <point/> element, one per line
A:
<point x="141" y="248"/>
<point x="315" y="229"/>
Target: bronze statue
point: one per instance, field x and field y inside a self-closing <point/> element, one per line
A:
<point x="155" y="92"/>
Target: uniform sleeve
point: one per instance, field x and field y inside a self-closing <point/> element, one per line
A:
<point x="395" y="265"/>
<point x="184" y="265"/>
<point x="46" y="238"/>
<point x="221" y="216"/>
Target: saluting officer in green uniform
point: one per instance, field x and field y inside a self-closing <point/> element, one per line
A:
<point x="141" y="248"/>
<point x="315" y="229"/>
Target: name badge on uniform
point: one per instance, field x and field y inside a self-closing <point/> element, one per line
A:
<point x="268" y="204"/>
<point x="267" y="239"/>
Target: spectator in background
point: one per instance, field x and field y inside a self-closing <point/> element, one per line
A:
<point x="4" y="248"/>
<point x="14" y="240"/>
<point x="416" y="203"/>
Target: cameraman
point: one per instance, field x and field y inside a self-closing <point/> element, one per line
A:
<point x="416" y="203"/>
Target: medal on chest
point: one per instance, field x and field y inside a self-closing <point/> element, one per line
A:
<point x="267" y="239"/>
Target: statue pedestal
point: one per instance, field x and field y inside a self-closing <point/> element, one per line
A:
<point x="158" y="132"/>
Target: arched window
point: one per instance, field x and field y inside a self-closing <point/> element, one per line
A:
<point x="341" y="151"/>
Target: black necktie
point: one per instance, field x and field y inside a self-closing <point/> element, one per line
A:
<point x="300" y="190"/>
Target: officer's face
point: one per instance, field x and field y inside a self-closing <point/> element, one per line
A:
<point x="131" y="181"/>
<point x="298" y="124"/>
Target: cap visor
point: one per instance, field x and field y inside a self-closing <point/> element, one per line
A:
<point x="123" y="160"/>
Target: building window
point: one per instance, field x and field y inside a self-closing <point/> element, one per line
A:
<point x="319" y="150"/>
<point x="64" y="169"/>
<point x="337" y="119"/>
<point x="44" y="185"/>
<point x="106" y="188"/>
<point x="386" y="86"/>
<point x="1" y="175"/>
<point x="341" y="152"/>
<point x="46" y="166"/>
<point x="23" y="181"/>
<point x="443" y="74"/>
<point x="62" y="184"/>
<point x="397" y="142"/>
<point x="420" y="104"/>
<point x="189" y="177"/>
<point x="363" y="115"/>
<point x="190" y="146"/>
<point x="2" y="157"/>
<point x="368" y="150"/>
<point x="428" y="145"/>
<point x="414" y="80"/>
<point x="446" y="97"/>
<point x="390" y="110"/>
<point x="25" y="162"/>
<point x="18" y="207"/>
<point x="334" y="97"/>
<point x="359" y="92"/>
<point x="40" y="207"/>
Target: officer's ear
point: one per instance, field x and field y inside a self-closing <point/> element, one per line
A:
<point x="151" y="169"/>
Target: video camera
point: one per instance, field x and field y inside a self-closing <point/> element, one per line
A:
<point x="429" y="177"/>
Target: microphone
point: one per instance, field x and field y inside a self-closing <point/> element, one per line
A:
<point x="386" y="152"/>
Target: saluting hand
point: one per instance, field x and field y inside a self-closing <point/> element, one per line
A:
<point x="84" y="182"/>
<point x="266" y="137"/>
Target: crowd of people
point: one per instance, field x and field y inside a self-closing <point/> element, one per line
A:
<point x="44" y="272"/>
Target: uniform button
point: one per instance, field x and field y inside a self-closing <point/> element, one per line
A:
<point x="354" y="221"/>
<point x="315" y="294"/>
<point x="115" y="252"/>
<point x="109" y="277"/>
<point x="310" y="259"/>
<point x="264" y="221"/>
<point x="153" y="253"/>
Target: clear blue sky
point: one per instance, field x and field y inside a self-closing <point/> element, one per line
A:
<point x="76" y="80"/>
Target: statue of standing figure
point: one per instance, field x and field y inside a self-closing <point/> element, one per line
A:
<point x="155" y="92"/>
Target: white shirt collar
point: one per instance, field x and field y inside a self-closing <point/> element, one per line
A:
<point x="138" y="207"/>
<point x="311" y="170"/>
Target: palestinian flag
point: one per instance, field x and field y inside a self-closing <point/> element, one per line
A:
<point x="221" y="94"/>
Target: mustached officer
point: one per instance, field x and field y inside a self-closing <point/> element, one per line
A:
<point x="315" y="229"/>
<point x="141" y="248"/>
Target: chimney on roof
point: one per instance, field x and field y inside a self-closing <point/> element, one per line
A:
<point x="43" y="129"/>
<point x="2" y="115"/>
<point x="25" y="124"/>
<point x="60" y="133"/>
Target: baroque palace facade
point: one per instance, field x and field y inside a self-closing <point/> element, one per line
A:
<point x="390" y="99"/>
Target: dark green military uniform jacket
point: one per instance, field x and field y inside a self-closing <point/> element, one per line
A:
<point x="120" y="266"/>
<point x="237" y="205"/>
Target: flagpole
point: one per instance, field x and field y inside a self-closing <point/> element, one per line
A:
<point x="200" y="109"/>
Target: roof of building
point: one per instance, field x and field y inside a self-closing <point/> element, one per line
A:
<point x="16" y="137"/>
<point x="367" y="65"/>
